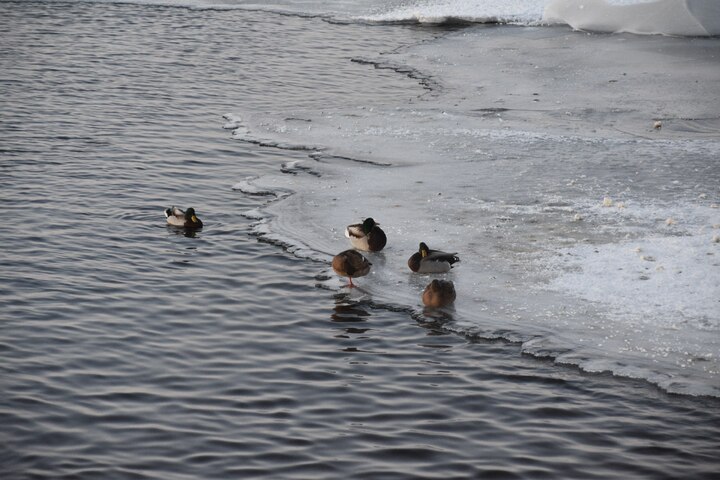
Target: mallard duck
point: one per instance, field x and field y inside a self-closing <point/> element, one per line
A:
<point x="439" y="293"/>
<point x="350" y="264"/>
<point x="431" y="261"/>
<point x="366" y="236"/>
<point x="179" y="218"/>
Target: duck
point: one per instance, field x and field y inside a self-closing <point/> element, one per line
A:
<point x="351" y="263"/>
<point x="439" y="293"/>
<point x="366" y="236"/>
<point x="186" y="219"/>
<point x="431" y="261"/>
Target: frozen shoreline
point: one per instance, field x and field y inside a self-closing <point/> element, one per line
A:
<point x="508" y="162"/>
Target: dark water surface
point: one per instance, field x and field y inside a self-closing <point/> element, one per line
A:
<point x="131" y="350"/>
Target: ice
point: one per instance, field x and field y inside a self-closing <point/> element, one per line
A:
<point x="478" y="11"/>
<point x="543" y="207"/>
<point x="667" y="17"/>
<point x="672" y="279"/>
<point x="510" y="282"/>
<point x="246" y="186"/>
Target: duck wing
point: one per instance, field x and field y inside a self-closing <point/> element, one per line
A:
<point x="377" y="239"/>
<point x="174" y="212"/>
<point x="438" y="256"/>
<point x="357" y="264"/>
<point x="414" y="261"/>
<point x="351" y="263"/>
<point x="354" y="231"/>
<point x="175" y="216"/>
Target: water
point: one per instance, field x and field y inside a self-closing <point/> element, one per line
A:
<point x="131" y="350"/>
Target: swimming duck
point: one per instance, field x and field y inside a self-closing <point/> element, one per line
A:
<point x="439" y="293"/>
<point x="179" y="218"/>
<point x="366" y="236"/>
<point x="431" y="261"/>
<point x="350" y="264"/>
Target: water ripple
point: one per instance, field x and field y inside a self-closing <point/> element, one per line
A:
<point x="134" y="350"/>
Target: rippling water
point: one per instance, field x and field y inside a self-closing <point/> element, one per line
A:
<point x="131" y="350"/>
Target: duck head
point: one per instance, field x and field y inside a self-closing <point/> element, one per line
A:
<point x="368" y="224"/>
<point x="190" y="216"/>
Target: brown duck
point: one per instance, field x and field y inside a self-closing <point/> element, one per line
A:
<point x="350" y="264"/>
<point x="439" y="293"/>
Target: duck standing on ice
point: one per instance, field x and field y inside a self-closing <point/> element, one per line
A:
<point x="366" y="236"/>
<point x="350" y="264"/>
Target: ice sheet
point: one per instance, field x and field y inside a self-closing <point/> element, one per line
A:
<point x="511" y="224"/>
<point x="667" y="17"/>
<point x="527" y="12"/>
<point x="543" y="206"/>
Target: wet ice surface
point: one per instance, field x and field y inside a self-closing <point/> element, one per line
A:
<point x="477" y="11"/>
<point x="667" y="17"/>
<point x="663" y="17"/>
<point x="581" y="197"/>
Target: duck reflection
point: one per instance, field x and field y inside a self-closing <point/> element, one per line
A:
<point x="185" y="232"/>
<point x="435" y="319"/>
<point x="348" y="313"/>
